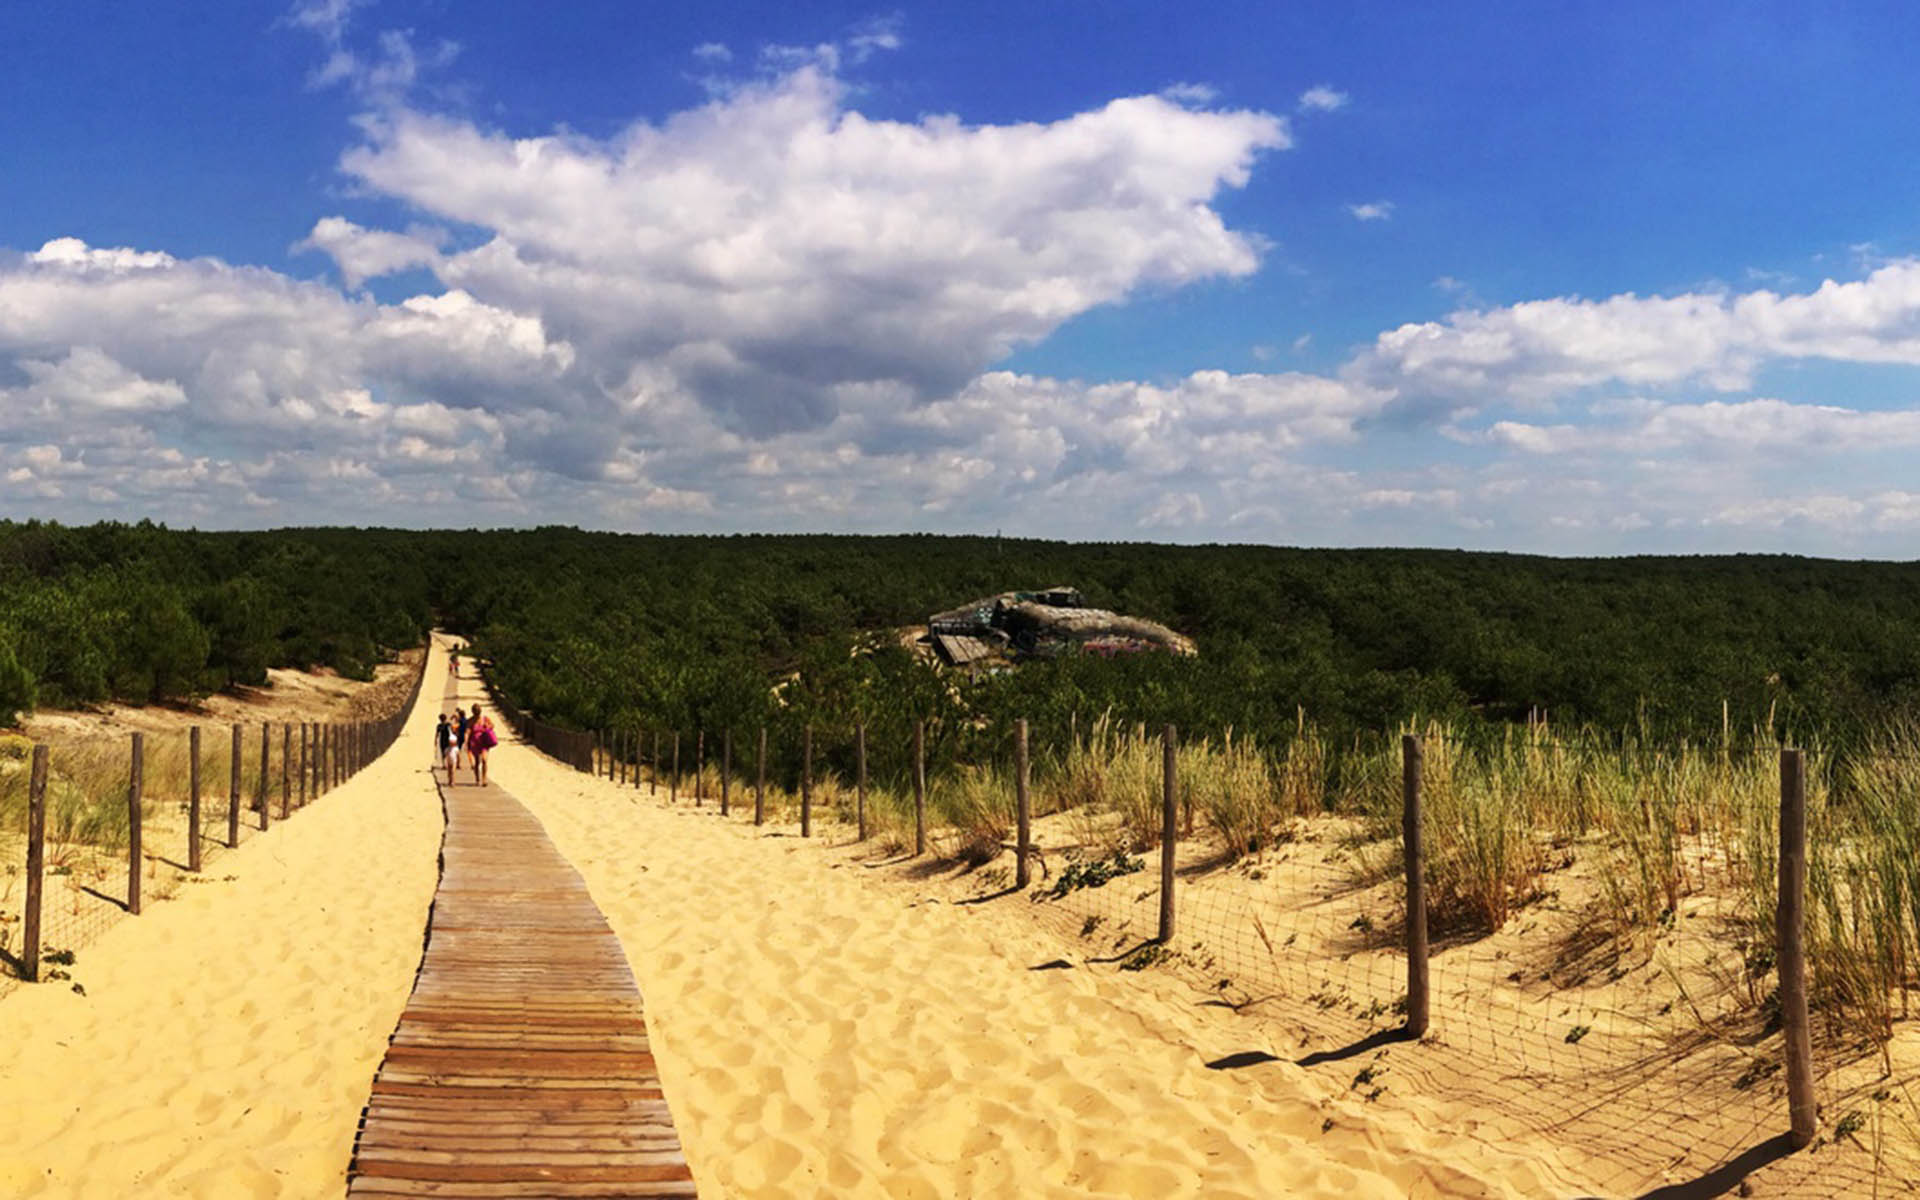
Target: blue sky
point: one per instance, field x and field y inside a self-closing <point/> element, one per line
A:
<point x="1634" y="279"/>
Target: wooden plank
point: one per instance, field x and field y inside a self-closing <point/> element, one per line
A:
<point x="513" y="1172"/>
<point x="369" y="1186"/>
<point x="521" y="1066"/>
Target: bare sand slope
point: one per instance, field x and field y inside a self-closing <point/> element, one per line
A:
<point x="820" y="1034"/>
<point x="226" y="1038"/>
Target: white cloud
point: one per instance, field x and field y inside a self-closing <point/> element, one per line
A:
<point x="773" y="244"/>
<point x="876" y="34"/>
<point x="325" y="19"/>
<point x="84" y="382"/>
<point x="1745" y="426"/>
<point x="1322" y="98"/>
<point x="1191" y="93"/>
<point x="364" y="254"/>
<point x="74" y="254"/>
<point x="381" y="74"/>
<point x="713" y="52"/>
<point x="1543" y="349"/>
<point x="1379" y="210"/>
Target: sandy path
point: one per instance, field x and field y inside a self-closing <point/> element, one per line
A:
<point x="818" y="1033"/>
<point x="821" y="1035"/>
<point x="226" y="1039"/>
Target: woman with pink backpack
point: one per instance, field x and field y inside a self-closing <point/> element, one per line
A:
<point x="480" y="739"/>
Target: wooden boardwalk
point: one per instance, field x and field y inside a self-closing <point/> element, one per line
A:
<point x="521" y="1065"/>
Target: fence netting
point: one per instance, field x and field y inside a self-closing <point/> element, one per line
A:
<point x="87" y="882"/>
<point x="1602" y="946"/>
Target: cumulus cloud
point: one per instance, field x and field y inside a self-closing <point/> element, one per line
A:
<point x="1544" y="349"/>
<point x="76" y="255"/>
<point x="1378" y="210"/>
<point x="363" y="254"/>
<point x="774" y="244"/>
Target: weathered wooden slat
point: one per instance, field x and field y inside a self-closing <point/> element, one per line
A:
<point x="540" y="1159"/>
<point x="521" y="1066"/>
<point x="398" y="1126"/>
<point x="495" y="1172"/>
<point x="515" y="1116"/>
<point x="370" y="1186"/>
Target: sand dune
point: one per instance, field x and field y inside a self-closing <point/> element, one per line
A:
<point x="822" y="1036"/>
<point x="226" y="1038"/>
<point x="818" y="1035"/>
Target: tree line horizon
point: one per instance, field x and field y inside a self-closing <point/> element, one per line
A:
<point x="600" y="631"/>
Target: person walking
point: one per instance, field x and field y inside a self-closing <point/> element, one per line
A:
<point x="443" y="741"/>
<point x="480" y="739"/>
<point x="460" y="732"/>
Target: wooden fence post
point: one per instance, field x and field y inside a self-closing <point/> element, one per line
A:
<point x="699" y="768"/>
<point x="653" y="764"/>
<point x="726" y="770"/>
<point x="286" y="769"/>
<point x="806" y="781"/>
<point x="305" y="729"/>
<point x="760" y="782"/>
<point x="136" y="784"/>
<point x="619" y="772"/>
<point x="1792" y="956"/>
<point x="36" y="865"/>
<point x="860" y="781"/>
<point x="233" y="793"/>
<point x="193" y="799"/>
<point x="266" y="746"/>
<point x="1169" y="827"/>
<point x="919" y="788"/>
<point x="1023" y="807"/>
<point x="1412" y="821"/>
<point x="673" y="780"/>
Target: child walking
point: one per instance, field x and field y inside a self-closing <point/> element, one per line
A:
<point x="443" y="741"/>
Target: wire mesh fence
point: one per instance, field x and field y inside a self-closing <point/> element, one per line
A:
<point x="103" y="826"/>
<point x="1602" y="951"/>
